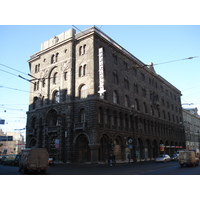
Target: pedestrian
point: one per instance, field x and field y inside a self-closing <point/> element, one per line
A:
<point x="129" y="158"/>
<point x="111" y="160"/>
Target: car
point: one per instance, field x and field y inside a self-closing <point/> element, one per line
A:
<point x="163" y="158"/>
<point x="174" y="157"/>
<point x="50" y="161"/>
<point x="11" y="159"/>
<point x="2" y="159"/>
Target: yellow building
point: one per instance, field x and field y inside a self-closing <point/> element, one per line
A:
<point x="11" y="143"/>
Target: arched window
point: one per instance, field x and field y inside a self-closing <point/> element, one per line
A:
<point x="65" y="95"/>
<point x="115" y="119"/>
<point x="126" y="102"/>
<point x="55" y="77"/>
<point x="80" y="50"/>
<point x="126" y="121"/>
<point x="100" y="117"/>
<point x="115" y="77"/>
<point x="56" y="58"/>
<point x="145" y="107"/>
<point x="152" y="110"/>
<point x="36" y="68"/>
<point x="56" y="97"/>
<point x="169" y="116"/>
<point x="42" y="101"/>
<point x="164" y="116"/>
<point x="137" y="106"/>
<point x="52" y="59"/>
<point x="80" y="71"/>
<point x="121" y="120"/>
<point x="84" y="70"/>
<point x="82" y="115"/>
<point x="83" y="92"/>
<point x="84" y="48"/>
<point x="126" y="83"/>
<point x="115" y="97"/>
<point x="34" y="102"/>
<point x="65" y="75"/>
<point x="108" y="117"/>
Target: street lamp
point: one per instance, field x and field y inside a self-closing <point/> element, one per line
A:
<point x="133" y="111"/>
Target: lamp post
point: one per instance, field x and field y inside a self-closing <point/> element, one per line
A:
<point x="134" y="147"/>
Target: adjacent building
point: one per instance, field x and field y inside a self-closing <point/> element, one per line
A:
<point x="90" y="98"/>
<point x="191" y="121"/>
<point x="11" y="143"/>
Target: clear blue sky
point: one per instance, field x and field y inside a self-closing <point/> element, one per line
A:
<point x="155" y="44"/>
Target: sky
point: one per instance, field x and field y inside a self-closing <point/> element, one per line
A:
<point x="149" y="43"/>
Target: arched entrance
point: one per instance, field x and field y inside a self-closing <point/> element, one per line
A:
<point x="167" y="150"/>
<point x="82" y="152"/>
<point x="118" y="148"/>
<point x="104" y="148"/>
<point x="32" y="143"/>
<point x="155" y="149"/>
<point x="147" y="150"/>
<point x="140" y="149"/>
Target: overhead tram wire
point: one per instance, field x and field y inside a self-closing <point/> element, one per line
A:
<point x="189" y="58"/>
<point x="1" y="86"/>
<point x="12" y="69"/>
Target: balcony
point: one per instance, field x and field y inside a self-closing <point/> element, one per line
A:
<point x="80" y="126"/>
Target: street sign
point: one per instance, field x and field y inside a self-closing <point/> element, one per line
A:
<point x="2" y="121"/>
<point x="57" y="141"/>
<point x="130" y="146"/>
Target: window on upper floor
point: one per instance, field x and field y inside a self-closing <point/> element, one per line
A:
<point x="100" y="115"/>
<point x="145" y="107"/>
<point x="115" y="58"/>
<point x="37" y="68"/>
<point x="135" y="88"/>
<point x="137" y="106"/>
<point x="82" y="115"/>
<point x="126" y="83"/>
<point x="126" y="101"/>
<point x="55" y="78"/>
<point x="115" y="97"/>
<point x="56" y="97"/>
<point x="82" y="70"/>
<point x="83" y="91"/>
<point x="82" y="50"/>
<point x="115" y="77"/>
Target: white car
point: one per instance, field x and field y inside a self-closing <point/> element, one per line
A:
<point x="163" y="158"/>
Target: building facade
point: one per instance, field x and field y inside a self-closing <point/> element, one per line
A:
<point x="89" y="98"/>
<point x="11" y="143"/>
<point x="191" y="122"/>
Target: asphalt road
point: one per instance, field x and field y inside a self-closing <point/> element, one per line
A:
<point x="145" y="168"/>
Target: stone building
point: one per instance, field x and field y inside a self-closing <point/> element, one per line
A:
<point x="191" y="121"/>
<point x="89" y="98"/>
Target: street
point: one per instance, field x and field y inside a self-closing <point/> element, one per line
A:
<point x="143" y="168"/>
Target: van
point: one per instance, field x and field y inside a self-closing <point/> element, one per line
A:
<point x="35" y="159"/>
<point x="188" y="158"/>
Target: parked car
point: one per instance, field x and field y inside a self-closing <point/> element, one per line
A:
<point x="163" y="158"/>
<point x="2" y="159"/>
<point x="12" y="159"/>
<point x="50" y="161"/>
<point x="174" y="157"/>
